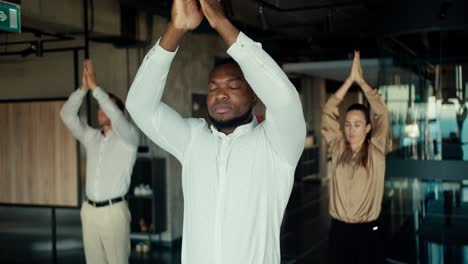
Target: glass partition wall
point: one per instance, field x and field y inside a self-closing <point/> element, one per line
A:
<point x="426" y="189"/>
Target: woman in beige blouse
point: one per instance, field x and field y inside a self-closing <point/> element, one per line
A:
<point x="357" y="172"/>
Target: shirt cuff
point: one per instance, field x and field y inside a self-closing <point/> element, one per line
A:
<point x="80" y="91"/>
<point x="163" y="54"/>
<point x="79" y="94"/>
<point x="99" y="93"/>
<point x="243" y="43"/>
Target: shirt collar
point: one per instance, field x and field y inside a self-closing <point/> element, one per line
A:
<point x="110" y="132"/>
<point x="240" y="130"/>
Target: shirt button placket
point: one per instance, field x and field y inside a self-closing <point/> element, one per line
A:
<point x="222" y="162"/>
<point x="98" y="166"/>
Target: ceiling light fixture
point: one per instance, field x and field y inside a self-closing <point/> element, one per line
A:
<point x="262" y="18"/>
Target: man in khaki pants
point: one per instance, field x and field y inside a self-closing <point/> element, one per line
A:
<point x="111" y="153"/>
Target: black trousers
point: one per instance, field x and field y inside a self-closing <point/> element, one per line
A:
<point x="359" y="243"/>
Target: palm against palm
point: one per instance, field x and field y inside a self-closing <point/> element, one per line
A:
<point x="212" y="10"/>
<point x="356" y="69"/>
<point x="186" y="15"/>
<point x="88" y="77"/>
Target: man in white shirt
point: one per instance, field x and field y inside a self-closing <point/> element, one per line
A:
<point x="237" y="175"/>
<point x="111" y="153"/>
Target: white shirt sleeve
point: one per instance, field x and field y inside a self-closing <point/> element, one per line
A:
<point x="284" y="120"/>
<point x="69" y="115"/>
<point x="159" y="122"/>
<point x="120" y="125"/>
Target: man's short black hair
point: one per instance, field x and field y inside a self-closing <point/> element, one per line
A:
<point x="224" y="61"/>
<point x="117" y="101"/>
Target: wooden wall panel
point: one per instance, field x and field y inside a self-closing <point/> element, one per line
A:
<point x="38" y="155"/>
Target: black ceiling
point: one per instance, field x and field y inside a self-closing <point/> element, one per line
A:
<point x="410" y="31"/>
<point x="297" y="30"/>
<point x="18" y="2"/>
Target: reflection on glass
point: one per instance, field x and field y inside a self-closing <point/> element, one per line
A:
<point x="427" y="216"/>
<point x="428" y="113"/>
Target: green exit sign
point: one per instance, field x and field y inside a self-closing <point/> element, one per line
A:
<point x="10" y="17"/>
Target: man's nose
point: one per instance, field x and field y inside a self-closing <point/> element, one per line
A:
<point x="221" y="94"/>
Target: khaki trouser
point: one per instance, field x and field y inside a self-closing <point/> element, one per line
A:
<point x="106" y="233"/>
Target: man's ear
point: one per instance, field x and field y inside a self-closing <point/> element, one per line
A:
<point x="254" y="99"/>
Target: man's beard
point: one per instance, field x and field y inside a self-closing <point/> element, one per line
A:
<point x="233" y="122"/>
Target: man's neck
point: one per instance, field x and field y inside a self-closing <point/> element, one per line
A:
<point x="106" y="129"/>
<point x="230" y="130"/>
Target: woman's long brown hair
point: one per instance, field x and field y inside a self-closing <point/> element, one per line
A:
<point x="361" y="158"/>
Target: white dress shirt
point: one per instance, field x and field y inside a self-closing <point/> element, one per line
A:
<point x="235" y="186"/>
<point x="110" y="158"/>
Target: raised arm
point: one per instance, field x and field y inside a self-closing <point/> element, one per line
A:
<point x="69" y="115"/>
<point x="159" y="122"/>
<point x="285" y="125"/>
<point x="120" y="125"/>
<point x="69" y="112"/>
<point x="331" y="130"/>
<point x="380" y="117"/>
